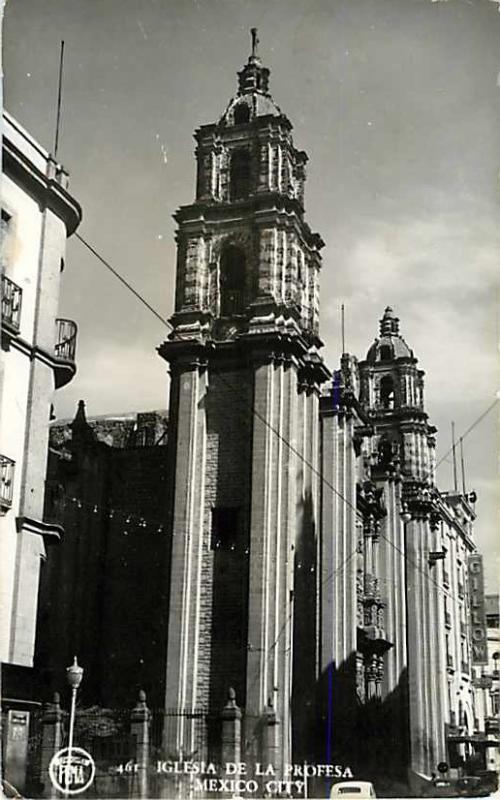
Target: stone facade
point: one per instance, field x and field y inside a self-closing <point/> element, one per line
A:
<point x="396" y="629"/>
<point x="245" y="383"/>
<point x="102" y="590"/>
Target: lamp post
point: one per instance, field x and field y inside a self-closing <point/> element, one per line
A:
<point x="74" y="675"/>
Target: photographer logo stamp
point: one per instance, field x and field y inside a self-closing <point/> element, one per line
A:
<point x="72" y="774"/>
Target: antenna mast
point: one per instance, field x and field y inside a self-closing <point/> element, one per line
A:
<point x="455" y="483"/>
<point x="463" y="465"/>
<point x="342" y="323"/>
<point x="59" y="99"/>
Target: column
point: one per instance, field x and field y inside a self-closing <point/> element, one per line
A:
<point x="139" y="728"/>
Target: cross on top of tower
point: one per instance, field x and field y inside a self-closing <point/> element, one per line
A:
<point x="255" y="42"/>
<point x="253" y="77"/>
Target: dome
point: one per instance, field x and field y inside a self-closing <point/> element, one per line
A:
<point x="253" y="98"/>
<point x="391" y="345"/>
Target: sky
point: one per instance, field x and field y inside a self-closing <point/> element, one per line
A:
<point x="396" y="103"/>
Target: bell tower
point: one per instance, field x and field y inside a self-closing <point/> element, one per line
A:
<point x="403" y="547"/>
<point x="245" y="379"/>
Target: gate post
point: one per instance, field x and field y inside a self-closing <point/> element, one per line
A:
<point x="231" y="730"/>
<point x="52" y="738"/>
<point x="139" y="728"/>
<point x="271" y="739"/>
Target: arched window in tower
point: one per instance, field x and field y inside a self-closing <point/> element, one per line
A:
<point x="241" y="114"/>
<point x="387" y="392"/>
<point x="241" y="174"/>
<point x="232" y="281"/>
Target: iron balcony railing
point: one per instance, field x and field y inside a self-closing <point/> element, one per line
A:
<point x="65" y="347"/>
<point x="12" y="296"/>
<point x="6" y="482"/>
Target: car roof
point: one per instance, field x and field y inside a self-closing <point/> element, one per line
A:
<point x="354" y="783"/>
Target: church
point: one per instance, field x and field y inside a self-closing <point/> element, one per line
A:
<point x="310" y="544"/>
<point x="308" y="599"/>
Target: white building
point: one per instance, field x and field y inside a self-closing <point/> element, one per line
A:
<point x="37" y="356"/>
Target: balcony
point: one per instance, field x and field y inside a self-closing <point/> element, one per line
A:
<point x="6" y="483"/>
<point x="12" y="296"/>
<point x="64" y="351"/>
<point x="492" y="725"/>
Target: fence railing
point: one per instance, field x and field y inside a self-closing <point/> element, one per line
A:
<point x="12" y="296"/>
<point x="65" y="347"/>
<point x="7" y="466"/>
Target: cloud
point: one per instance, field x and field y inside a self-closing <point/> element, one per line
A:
<point x="116" y="378"/>
<point x="439" y="270"/>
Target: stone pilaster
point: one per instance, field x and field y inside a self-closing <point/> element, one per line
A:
<point x="231" y="730"/>
<point x="52" y="738"/>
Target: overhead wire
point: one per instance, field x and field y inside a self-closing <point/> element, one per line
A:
<point x="280" y="436"/>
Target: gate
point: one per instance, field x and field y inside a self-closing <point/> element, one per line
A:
<point x="105" y="734"/>
<point x="176" y="736"/>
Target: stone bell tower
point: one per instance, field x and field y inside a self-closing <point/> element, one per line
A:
<point x="245" y="378"/>
<point x="402" y="547"/>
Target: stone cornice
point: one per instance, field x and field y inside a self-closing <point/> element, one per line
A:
<point x="50" y="531"/>
<point x="263" y="208"/>
<point x="35" y="352"/>
<point x="47" y="191"/>
<point x="246" y="350"/>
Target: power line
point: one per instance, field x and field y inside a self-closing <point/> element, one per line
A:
<point x="122" y="280"/>
<point x="283" y="439"/>
<point x="469" y="429"/>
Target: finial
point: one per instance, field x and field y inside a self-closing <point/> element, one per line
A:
<point x="142" y="696"/>
<point x="389" y="324"/>
<point x="80" y="416"/>
<point x="253" y="77"/>
<point x="255" y="42"/>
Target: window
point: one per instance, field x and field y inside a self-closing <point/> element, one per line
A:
<point x="387" y="392"/>
<point x="5" y="221"/>
<point x="240" y="174"/>
<point x="4" y="233"/>
<point x="385" y="352"/>
<point x="232" y="281"/>
<point x="224" y="527"/>
<point x="241" y="114"/>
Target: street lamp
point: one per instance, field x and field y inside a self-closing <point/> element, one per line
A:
<point x="74" y="675"/>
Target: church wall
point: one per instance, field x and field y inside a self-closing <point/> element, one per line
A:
<point x="225" y="570"/>
<point x="102" y="593"/>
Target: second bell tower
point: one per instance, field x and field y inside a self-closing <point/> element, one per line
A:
<point x="245" y="378"/>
